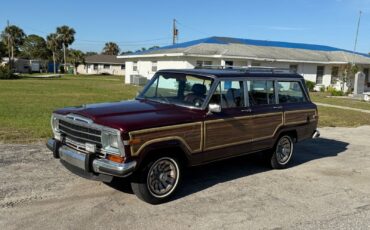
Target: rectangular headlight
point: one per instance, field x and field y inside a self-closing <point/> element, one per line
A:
<point x="110" y="142"/>
<point x="54" y="123"/>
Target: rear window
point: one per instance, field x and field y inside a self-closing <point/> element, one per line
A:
<point x="290" y="92"/>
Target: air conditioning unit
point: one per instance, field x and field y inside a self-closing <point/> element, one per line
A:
<point x="138" y="80"/>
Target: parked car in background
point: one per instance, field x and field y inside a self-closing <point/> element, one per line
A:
<point x="185" y="118"/>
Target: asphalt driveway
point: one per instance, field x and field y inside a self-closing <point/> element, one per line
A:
<point x="327" y="186"/>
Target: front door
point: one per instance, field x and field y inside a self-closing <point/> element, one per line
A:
<point x="229" y="132"/>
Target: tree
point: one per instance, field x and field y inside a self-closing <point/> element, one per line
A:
<point x="126" y="52"/>
<point x="13" y="37"/>
<point x="54" y="44"/>
<point x="90" y="53"/>
<point x="34" y="47"/>
<point x="76" y="57"/>
<point x="66" y="35"/>
<point x="111" y="48"/>
<point x="153" y="47"/>
<point x="347" y="72"/>
<point x="2" y="50"/>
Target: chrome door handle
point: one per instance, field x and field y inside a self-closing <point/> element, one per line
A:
<point x="278" y="107"/>
<point x="246" y="110"/>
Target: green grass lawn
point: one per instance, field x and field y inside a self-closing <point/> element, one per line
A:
<point x="322" y="97"/>
<point x="26" y="104"/>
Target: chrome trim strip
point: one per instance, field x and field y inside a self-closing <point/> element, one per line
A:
<point x="92" y="134"/>
<point x="76" y="117"/>
<point x="87" y="140"/>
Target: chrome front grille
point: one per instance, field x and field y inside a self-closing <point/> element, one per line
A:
<point x="80" y="134"/>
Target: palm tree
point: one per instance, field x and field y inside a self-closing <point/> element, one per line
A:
<point x="111" y="48"/>
<point x="66" y="35"/>
<point x="76" y="57"/>
<point x="13" y="37"/>
<point x="54" y="44"/>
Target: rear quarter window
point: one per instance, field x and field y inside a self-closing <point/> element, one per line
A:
<point x="290" y="92"/>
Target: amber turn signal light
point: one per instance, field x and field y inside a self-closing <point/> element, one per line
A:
<point x="115" y="158"/>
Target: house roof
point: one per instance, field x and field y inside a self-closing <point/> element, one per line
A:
<point x="104" y="59"/>
<point x="225" y="47"/>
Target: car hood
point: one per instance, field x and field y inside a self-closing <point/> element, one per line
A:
<point x="135" y="114"/>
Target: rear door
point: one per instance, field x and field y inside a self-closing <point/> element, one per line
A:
<point x="267" y="113"/>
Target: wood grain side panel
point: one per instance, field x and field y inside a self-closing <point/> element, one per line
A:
<point x="266" y="126"/>
<point x="222" y="133"/>
<point x="191" y="135"/>
<point x="299" y="116"/>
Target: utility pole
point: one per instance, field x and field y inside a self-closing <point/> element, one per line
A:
<point x="355" y="46"/>
<point x="175" y="32"/>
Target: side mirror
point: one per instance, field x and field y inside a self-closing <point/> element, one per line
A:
<point x="214" y="108"/>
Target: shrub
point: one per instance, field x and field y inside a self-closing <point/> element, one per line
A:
<point x="335" y="92"/>
<point x="310" y="85"/>
<point x="5" y="73"/>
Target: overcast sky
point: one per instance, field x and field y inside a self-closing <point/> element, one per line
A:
<point x="136" y="24"/>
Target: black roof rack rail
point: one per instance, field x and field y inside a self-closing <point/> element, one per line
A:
<point x="252" y="69"/>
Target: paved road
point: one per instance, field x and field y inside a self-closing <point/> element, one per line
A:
<point x="327" y="186"/>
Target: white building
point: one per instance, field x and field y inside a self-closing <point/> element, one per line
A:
<point x="102" y="64"/>
<point x="323" y="65"/>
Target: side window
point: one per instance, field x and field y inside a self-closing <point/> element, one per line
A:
<point x="290" y="92"/>
<point x="261" y="92"/>
<point x="229" y="94"/>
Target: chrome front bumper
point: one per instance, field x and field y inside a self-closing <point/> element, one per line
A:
<point x="87" y="163"/>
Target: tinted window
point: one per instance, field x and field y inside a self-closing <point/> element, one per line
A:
<point x="229" y="94"/>
<point x="290" y="92"/>
<point x="261" y="92"/>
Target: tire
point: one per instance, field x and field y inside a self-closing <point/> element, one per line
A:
<point x="158" y="180"/>
<point x="282" y="152"/>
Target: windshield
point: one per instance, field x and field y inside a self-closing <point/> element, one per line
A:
<point x="177" y="88"/>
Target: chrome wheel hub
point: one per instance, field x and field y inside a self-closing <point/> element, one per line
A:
<point x="163" y="177"/>
<point x="284" y="150"/>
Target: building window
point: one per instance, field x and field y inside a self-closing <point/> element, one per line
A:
<point x="319" y="74"/>
<point x="123" y="66"/>
<point x="203" y="63"/>
<point x="134" y="67"/>
<point x="106" y="66"/>
<point x="293" y="68"/>
<point x="334" y="75"/>
<point x="96" y="66"/>
<point x="154" y="66"/>
<point x="229" y="63"/>
<point x="256" y="64"/>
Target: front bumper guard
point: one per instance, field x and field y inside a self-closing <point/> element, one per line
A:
<point x="86" y="163"/>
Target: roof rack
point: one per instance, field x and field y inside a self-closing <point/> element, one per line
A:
<point x="253" y="69"/>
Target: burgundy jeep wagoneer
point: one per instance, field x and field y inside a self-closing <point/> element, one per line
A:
<point x="185" y="118"/>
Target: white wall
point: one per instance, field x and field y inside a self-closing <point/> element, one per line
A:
<point x="144" y="66"/>
<point x="114" y="69"/>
